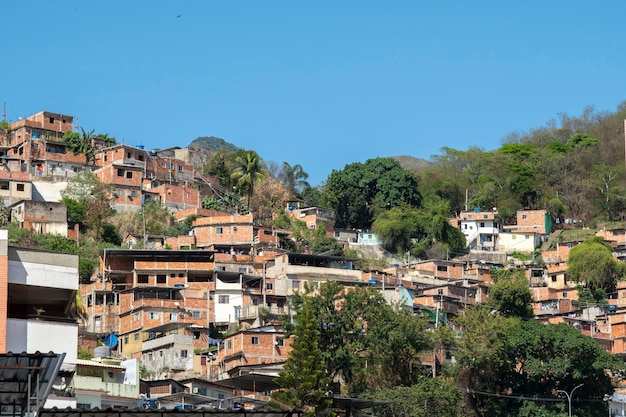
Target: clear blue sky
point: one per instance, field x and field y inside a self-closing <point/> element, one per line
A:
<point x="318" y="83"/>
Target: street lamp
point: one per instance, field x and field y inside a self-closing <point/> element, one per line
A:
<point x="569" y="397"/>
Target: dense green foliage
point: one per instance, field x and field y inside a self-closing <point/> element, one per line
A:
<point x="510" y="295"/>
<point x="362" y="190"/>
<point x="304" y="376"/>
<point x="592" y="263"/>
<point x="366" y="343"/>
<point x="572" y="167"/>
<point x="505" y="363"/>
<point x="248" y="170"/>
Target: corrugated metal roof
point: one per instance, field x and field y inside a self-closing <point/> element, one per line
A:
<point x="26" y="380"/>
<point x="84" y="362"/>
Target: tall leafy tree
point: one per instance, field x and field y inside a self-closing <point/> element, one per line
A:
<point x="592" y="263"/>
<point x="83" y="144"/>
<point x="86" y="190"/>
<point x="361" y="190"/>
<point x="511" y="296"/>
<point x="305" y="382"/>
<point x="248" y="171"/>
<point x="294" y="178"/>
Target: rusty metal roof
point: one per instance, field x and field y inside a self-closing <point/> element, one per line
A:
<point x="26" y="380"/>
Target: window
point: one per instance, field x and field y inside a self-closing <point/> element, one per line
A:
<point x="52" y="120"/>
<point x="269" y="286"/>
<point x="280" y="342"/>
<point x="564" y="294"/>
<point x="136" y="317"/>
<point x="439" y="291"/>
<point x="229" y="344"/>
<point x="140" y="157"/>
<point x="255" y="340"/>
<point x="161" y="279"/>
<point x="220" y="268"/>
<point x="196" y="335"/>
<point x="129" y="175"/>
<point x="553" y="278"/>
<point x="219" y="230"/>
<point x="295" y="284"/>
<point x="120" y="172"/>
<point x="171" y="166"/>
<point x="184" y="353"/>
<point x="85" y="406"/>
<point x="142" y="279"/>
<point x="163" y="165"/>
<point x="485" y="216"/>
<point x="153" y="315"/>
<point x="173" y="317"/>
<point x="196" y="315"/>
<point x="129" y="155"/>
<point x="222" y="299"/>
<point x="524" y="216"/>
<point x="482" y="224"/>
<point x="126" y="339"/>
<point x="442" y="268"/>
<point x="180" y="168"/>
<point x="136" y="336"/>
<point x="20" y="187"/>
<point x="4" y="185"/>
<point x="526" y="237"/>
<point x="243" y="270"/>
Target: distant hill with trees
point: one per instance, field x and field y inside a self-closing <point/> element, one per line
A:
<point x="211" y="144"/>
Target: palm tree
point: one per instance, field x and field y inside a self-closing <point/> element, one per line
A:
<point x="294" y="178"/>
<point x="249" y="169"/>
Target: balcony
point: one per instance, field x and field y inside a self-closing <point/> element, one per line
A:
<point x="173" y="339"/>
<point x="304" y="272"/>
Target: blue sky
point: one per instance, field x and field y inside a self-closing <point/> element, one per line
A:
<point x="320" y="83"/>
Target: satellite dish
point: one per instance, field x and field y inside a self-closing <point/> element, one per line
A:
<point x="110" y="340"/>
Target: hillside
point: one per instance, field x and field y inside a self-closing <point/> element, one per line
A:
<point x="211" y="144"/>
<point x="411" y="163"/>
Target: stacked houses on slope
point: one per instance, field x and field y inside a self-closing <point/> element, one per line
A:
<point x="199" y="313"/>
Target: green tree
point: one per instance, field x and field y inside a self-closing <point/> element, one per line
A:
<point x="82" y="144"/>
<point x="506" y="362"/>
<point x="511" y="296"/>
<point x="248" y="171"/>
<point x="592" y="263"/>
<point x="323" y="243"/>
<point x="361" y="190"/>
<point x="294" y="179"/>
<point x="304" y="379"/>
<point x="428" y="397"/>
<point x="396" y="228"/>
<point x="220" y="165"/>
<point x="366" y="343"/>
<point x="85" y="189"/>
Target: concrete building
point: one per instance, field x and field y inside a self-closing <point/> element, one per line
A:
<point x="41" y="217"/>
<point x="37" y="295"/>
<point x="481" y="228"/>
<point x="36" y="144"/>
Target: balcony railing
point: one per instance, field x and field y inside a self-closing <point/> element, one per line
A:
<point x="172" y="339"/>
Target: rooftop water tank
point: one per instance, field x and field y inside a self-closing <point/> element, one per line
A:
<point x="101" y="352"/>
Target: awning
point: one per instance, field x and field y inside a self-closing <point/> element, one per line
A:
<point x="26" y="380"/>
